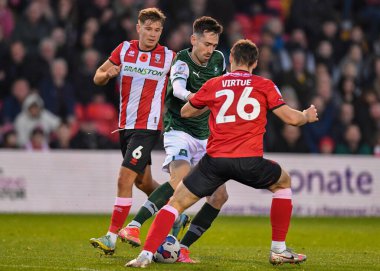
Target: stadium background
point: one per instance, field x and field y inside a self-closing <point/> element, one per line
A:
<point x="321" y="52"/>
<point x="63" y="172"/>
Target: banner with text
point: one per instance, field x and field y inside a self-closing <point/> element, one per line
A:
<point x="86" y="181"/>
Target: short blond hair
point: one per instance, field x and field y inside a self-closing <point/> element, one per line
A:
<point x="153" y="14"/>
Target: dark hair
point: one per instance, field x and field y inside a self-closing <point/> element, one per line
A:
<point x="153" y="14"/>
<point x="245" y="52"/>
<point x="207" y="24"/>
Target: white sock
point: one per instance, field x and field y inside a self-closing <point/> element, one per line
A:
<point x="113" y="237"/>
<point x="134" y="224"/>
<point x="278" y="246"/>
<point x="146" y="254"/>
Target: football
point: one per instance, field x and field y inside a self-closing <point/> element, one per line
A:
<point x="168" y="251"/>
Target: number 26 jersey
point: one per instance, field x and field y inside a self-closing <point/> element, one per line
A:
<point x="238" y="103"/>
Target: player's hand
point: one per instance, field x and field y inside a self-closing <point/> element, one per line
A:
<point x="311" y="114"/>
<point x="113" y="71"/>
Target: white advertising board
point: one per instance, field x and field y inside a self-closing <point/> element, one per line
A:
<point x="85" y="182"/>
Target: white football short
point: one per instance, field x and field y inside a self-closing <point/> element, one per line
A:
<point x="182" y="146"/>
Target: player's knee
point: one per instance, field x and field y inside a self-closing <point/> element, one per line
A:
<point x="284" y="181"/>
<point x="125" y="180"/>
<point x="177" y="203"/>
<point x="178" y="170"/>
<point x="218" y="199"/>
<point x="141" y="186"/>
<point x="174" y="181"/>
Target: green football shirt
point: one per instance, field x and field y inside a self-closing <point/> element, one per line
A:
<point x="184" y="68"/>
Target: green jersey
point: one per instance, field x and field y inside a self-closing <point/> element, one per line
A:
<point x="184" y="68"/>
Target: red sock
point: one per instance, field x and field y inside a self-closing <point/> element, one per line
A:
<point x="120" y="213"/>
<point x="280" y="214"/>
<point x="160" y="228"/>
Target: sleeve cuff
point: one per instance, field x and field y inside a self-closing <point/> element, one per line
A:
<point x="112" y="62"/>
<point x="197" y="107"/>
<point x="277" y="106"/>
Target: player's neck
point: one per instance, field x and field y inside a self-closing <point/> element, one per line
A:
<point x="196" y="59"/>
<point x="240" y="68"/>
<point x="142" y="47"/>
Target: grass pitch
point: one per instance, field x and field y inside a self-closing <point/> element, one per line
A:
<point x="60" y="242"/>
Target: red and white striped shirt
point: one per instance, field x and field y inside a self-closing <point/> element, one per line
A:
<point x="143" y="80"/>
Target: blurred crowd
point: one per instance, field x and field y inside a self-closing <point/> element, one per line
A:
<point x="325" y="53"/>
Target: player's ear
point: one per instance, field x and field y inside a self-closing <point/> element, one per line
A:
<point x="255" y="64"/>
<point x="138" y="28"/>
<point x="193" y="39"/>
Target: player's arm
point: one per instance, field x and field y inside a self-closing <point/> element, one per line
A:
<point x="180" y="91"/>
<point x="189" y="111"/>
<point x="105" y="72"/>
<point x="295" y="117"/>
<point x="197" y="104"/>
<point x="179" y="74"/>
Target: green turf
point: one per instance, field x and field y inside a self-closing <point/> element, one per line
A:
<point x="60" y="242"/>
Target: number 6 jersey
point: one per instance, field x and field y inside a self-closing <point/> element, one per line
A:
<point x="238" y="102"/>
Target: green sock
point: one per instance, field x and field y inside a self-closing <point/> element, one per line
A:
<point x="155" y="202"/>
<point x="200" y="223"/>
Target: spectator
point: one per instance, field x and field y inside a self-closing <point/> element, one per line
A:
<point x="84" y="85"/>
<point x="297" y="41"/>
<point x="300" y="79"/>
<point x="58" y="93"/>
<point x="348" y="90"/>
<point x="13" y="103"/>
<point x="325" y="54"/>
<point x="6" y="19"/>
<point x="374" y="78"/>
<point x="376" y="148"/>
<point x="32" y="27"/>
<point x="34" y="115"/>
<point x="37" y="140"/>
<point x="88" y="138"/>
<point x="314" y="133"/>
<point x="352" y="143"/>
<point x="18" y="65"/>
<point x="10" y="139"/>
<point x="291" y="141"/>
<point x="326" y="145"/>
<point x="62" y="137"/>
<point x="104" y="116"/>
<point x="344" y="119"/>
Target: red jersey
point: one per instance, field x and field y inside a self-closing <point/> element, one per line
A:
<point x="142" y="83"/>
<point x="238" y="103"/>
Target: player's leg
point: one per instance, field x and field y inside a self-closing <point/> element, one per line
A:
<point x="261" y="173"/>
<point x="154" y="203"/>
<point x="163" y="222"/>
<point x="136" y="157"/>
<point x="280" y="215"/>
<point x="123" y="203"/>
<point x="177" y="162"/>
<point x="145" y="181"/>
<point x="201" y="182"/>
<point x="202" y="221"/>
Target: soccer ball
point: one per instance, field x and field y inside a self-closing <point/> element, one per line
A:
<point x="168" y="251"/>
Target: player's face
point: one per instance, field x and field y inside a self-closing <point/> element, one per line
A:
<point x="204" y="45"/>
<point x="149" y="34"/>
